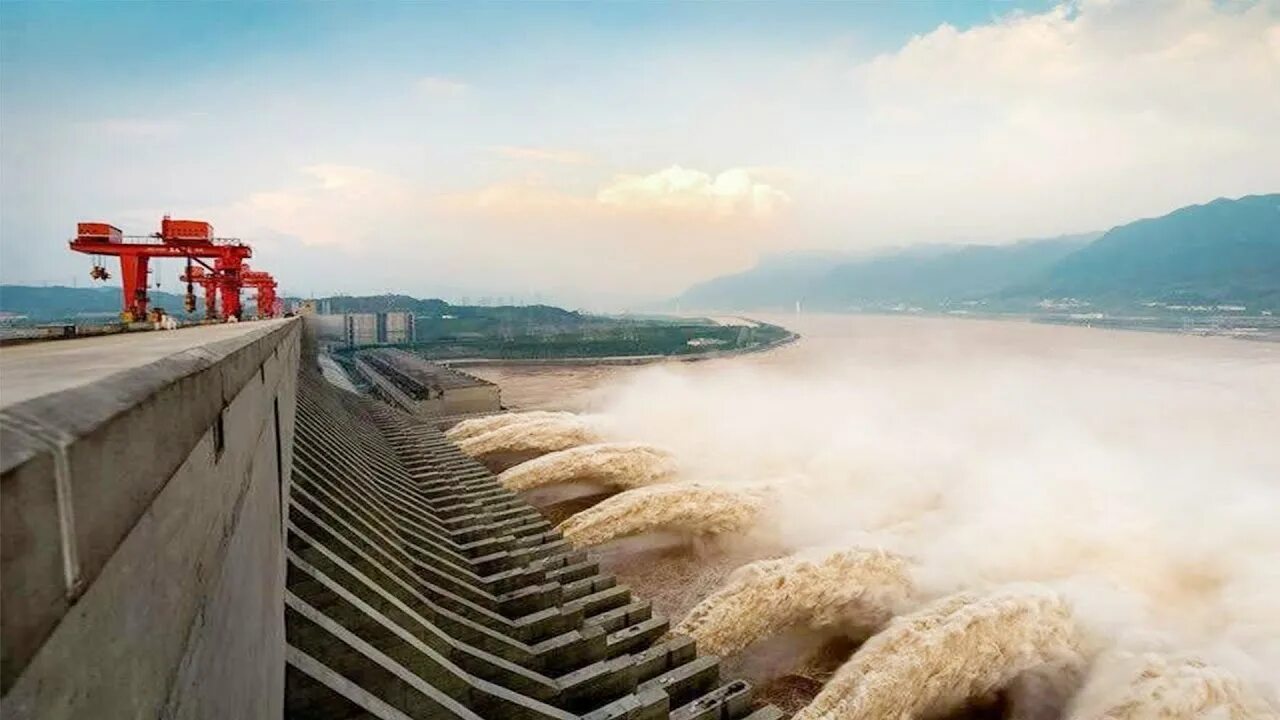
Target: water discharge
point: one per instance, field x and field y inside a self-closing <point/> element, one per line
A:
<point x="961" y="649"/>
<point x="535" y="437"/>
<point x="618" y="465"/>
<point x="687" y="508"/>
<point x="1153" y="686"/>
<point x="854" y="592"/>
<point x="1135" y="475"/>
<point x="481" y="425"/>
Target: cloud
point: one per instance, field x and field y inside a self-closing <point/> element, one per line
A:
<point x="675" y="193"/>
<point x="1078" y="118"/>
<point x="733" y="192"/>
<point x="1184" y="60"/>
<point x="344" y="206"/>
<point x="441" y="87"/>
<point x="564" y="157"/>
<point x="514" y="199"/>
<point x="637" y="234"/>
<point x="357" y="227"/>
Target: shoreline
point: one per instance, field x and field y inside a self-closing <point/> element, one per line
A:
<point x="622" y="360"/>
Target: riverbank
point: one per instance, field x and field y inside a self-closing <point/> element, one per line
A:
<point x="624" y="360"/>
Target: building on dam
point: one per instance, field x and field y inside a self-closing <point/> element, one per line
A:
<point x="196" y="524"/>
<point x="384" y="328"/>
<point x="424" y="388"/>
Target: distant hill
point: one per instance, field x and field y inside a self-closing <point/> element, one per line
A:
<point x="1222" y="252"/>
<point x="433" y="307"/>
<point x="930" y="275"/>
<point x="776" y="283"/>
<point x="382" y="303"/>
<point x="965" y="273"/>
<point x="58" y="302"/>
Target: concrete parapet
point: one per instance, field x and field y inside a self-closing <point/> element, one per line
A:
<point x="141" y="496"/>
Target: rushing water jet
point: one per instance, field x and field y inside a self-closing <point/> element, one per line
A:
<point x="618" y="465"/>
<point x="958" y="650"/>
<point x="877" y="432"/>
<point x="529" y="439"/>
<point x="851" y="591"/>
<point x="481" y="425"/>
<point x="690" y="508"/>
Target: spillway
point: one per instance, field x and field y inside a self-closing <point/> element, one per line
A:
<point x="417" y="583"/>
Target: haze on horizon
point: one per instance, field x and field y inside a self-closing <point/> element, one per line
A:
<point x="611" y="154"/>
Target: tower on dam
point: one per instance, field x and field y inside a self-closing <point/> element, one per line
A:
<point x="196" y="524"/>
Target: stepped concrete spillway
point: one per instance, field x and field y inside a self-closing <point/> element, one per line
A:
<point x="207" y="528"/>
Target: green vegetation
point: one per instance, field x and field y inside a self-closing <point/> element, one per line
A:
<point x="594" y="337"/>
<point x="27" y="304"/>
<point x="548" y="333"/>
<point x="1222" y="252"/>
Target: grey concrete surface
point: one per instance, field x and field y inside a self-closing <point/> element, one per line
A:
<point x="408" y="562"/>
<point x="142" y="501"/>
<point x="36" y="369"/>
<point x="204" y="528"/>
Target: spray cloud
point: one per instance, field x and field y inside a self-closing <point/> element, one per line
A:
<point x="1135" y="475"/>
<point x="537" y="436"/>
<point x="617" y="465"/>
<point x="960" y="649"/>
<point x="1150" y="685"/>
<point x="478" y="426"/>
<point x="851" y="591"/>
<point x="688" y="508"/>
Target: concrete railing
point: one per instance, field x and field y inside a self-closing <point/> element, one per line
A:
<point x="142" y="486"/>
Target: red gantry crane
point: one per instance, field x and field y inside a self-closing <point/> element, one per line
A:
<point x="189" y="239"/>
<point x="268" y="305"/>
<point x="197" y="275"/>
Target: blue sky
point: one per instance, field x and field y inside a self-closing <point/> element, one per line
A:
<point x="608" y="153"/>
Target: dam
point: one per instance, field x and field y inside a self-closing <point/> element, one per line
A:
<point x="196" y="524"/>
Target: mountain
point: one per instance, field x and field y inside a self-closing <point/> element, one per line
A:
<point x="776" y="283"/>
<point x="102" y="304"/>
<point x="968" y="272"/>
<point x="383" y="303"/>
<point x="1222" y="252"/>
<point x="1225" y="251"/>
<point x="58" y="302"/>
<point x="932" y="275"/>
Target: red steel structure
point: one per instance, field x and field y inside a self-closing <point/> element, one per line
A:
<point x="190" y="239"/>
<point x="268" y="305"/>
<point x="196" y="274"/>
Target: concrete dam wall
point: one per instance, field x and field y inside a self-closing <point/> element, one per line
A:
<point x="142" y="534"/>
<point x="197" y="525"/>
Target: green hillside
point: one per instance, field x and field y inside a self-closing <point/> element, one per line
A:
<point x="1222" y="252"/>
<point x="1225" y="251"/>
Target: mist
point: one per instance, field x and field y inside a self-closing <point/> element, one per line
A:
<point x="1136" y="477"/>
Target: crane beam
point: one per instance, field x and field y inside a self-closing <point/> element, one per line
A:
<point x="191" y="239"/>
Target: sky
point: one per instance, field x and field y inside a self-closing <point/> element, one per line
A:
<point x="610" y="155"/>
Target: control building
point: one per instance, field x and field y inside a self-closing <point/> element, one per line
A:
<point x="389" y="328"/>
